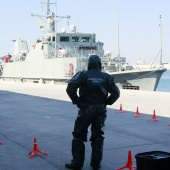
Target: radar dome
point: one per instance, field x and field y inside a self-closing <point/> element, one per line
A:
<point x="63" y="30"/>
<point x="73" y="28"/>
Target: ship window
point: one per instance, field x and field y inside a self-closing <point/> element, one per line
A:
<point x="53" y="38"/>
<point x="64" y="39"/>
<point x="85" y="39"/>
<point x="42" y="47"/>
<point x="75" y="39"/>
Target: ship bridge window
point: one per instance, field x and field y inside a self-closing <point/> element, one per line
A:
<point x="53" y="39"/>
<point x="75" y="39"/>
<point x="85" y="39"/>
<point x="64" y="39"/>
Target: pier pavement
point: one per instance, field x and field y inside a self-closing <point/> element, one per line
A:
<point x="44" y="112"/>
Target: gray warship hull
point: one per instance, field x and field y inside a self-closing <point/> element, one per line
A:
<point x="58" y="70"/>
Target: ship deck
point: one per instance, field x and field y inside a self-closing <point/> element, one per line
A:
<point x="45" y="112"/>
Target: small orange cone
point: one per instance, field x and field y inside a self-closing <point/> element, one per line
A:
<point x="137" y="113"/>
<point x="120" y="110"/>
<point x="154" y="117"/>
<point x="36" y="150"/>
<point x="129" y="162"/>
<point x="1" y="143"/>
<point x="168" y="124"/>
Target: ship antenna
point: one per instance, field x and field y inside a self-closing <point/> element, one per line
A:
<point x="118" y="41"/>
<point x="48" y="8"/>
<point x="161" y="38"/>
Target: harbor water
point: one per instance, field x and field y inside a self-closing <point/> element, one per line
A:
<point x="164" y="83"/>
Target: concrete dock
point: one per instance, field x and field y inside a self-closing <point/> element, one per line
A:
<point x="45" y="112"/>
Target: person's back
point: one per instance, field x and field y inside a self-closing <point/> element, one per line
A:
<point x="94" y="87"/>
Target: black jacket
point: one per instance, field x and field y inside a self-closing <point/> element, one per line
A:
<point x="95" y="87"/>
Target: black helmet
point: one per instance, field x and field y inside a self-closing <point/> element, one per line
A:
<point x="94" y="62"/>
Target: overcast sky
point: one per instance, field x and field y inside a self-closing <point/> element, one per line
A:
<point x="139" y="30"/>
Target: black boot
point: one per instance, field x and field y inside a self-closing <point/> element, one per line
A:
<point x="78" y="153"/>
<point x="97" y="153"/>
<point x="72" y="166"/>
<point x="95" y="167"/>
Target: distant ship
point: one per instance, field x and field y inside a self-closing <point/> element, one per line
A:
<point x="142" y="64"/>
<point x="57" y="56"/>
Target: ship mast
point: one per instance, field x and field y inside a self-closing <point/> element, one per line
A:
<point x="118" y="41"/>
<point x="51" y="20"/>
<point x="161" y="38"/>
<point x="118" y="38"/>
<point x="55" y="53"/>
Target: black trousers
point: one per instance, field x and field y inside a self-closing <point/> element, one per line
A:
<point x="95" y="116"/>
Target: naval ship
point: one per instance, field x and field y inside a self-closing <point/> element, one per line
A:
<point x="57" y="56"/>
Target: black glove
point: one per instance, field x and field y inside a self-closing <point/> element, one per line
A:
<point x="108" y="102"/>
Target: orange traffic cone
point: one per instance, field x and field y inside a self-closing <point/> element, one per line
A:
<point x="154" y="117"/>
<point x="120" y="110"/>
<point x="129" y="162"/>
<point x="36" y="150"/>
<point x="137" y="113"/>
<point x="1" y="143"/>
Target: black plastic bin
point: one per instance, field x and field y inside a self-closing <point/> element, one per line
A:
<point x="154" y="160"/>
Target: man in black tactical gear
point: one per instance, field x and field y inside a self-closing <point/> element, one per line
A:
<point x="96" y="90"/>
